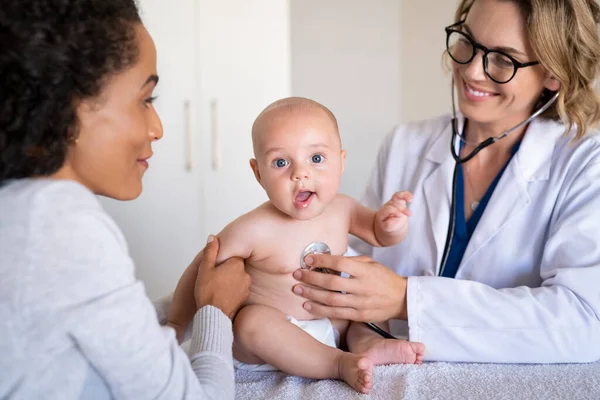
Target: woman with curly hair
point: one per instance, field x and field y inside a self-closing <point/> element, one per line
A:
<point x="76" y="120"/>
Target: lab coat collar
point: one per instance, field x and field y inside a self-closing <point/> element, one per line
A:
<point x="439" y="152"/>
<point x="538" y="144"/>
<point x="534" y="157"/>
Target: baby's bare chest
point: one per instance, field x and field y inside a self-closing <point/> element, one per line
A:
<point x="283" y="252"/>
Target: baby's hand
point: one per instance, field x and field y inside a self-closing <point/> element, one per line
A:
<point x="392" y="218"/>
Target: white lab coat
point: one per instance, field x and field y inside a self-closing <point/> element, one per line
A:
<point x="528" y="287"/>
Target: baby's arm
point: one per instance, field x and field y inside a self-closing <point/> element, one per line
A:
<point x="385" y="227"/>
<point x="234" y="241"/>
<point x="238" y="238"/>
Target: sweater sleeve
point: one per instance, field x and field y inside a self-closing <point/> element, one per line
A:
<point x="82" y="276"/>
<point x="161" y="305"/>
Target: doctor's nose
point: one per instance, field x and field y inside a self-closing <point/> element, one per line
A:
<point x="474" y="70"/>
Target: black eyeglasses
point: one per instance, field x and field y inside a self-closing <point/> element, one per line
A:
<point x="498" y="66"/>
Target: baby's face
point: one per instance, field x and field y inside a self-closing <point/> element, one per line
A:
<point x="299" y="161"/>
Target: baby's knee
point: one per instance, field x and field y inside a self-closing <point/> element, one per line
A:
<point x="253" y="319"/>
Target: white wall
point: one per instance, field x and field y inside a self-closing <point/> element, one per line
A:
<point x="374" y="64"/>
<point x="345" y="54"/>
<point x="425" y="86"/>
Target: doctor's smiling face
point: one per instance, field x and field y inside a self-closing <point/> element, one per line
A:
<point x="299" y="160"/>
<point x="498" y="25"/>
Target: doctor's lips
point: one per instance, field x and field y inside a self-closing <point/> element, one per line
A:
<point x="303" y="198"/>
<point x="477" y="93"/>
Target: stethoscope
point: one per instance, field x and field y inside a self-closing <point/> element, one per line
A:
<point x="459" y="161"/>
<point x="318" y="247"/>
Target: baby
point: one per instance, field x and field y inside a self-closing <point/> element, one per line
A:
<point x="299" y="162"/>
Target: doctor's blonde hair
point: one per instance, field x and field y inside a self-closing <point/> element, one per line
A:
<point x="564" y="37"/>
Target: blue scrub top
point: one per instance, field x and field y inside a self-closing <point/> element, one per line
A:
<point x="463" y="229"/>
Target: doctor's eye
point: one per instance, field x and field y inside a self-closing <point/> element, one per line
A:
<point x="281" y="163"/>
<point x="317" y="158"/>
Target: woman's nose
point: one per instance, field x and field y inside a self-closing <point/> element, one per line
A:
<point x="155" y="127"/>
<point x="474" y="70"/>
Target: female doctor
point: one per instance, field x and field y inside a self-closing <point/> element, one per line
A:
<point x="503" y="260"/>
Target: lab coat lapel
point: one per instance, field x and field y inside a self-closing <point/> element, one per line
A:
<point x="510" y="198"/>
<point x="437" y="188"/>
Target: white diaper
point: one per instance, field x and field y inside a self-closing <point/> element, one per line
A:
<point x="320" y="329"/>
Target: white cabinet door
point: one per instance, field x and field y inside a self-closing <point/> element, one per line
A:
<point x="164" y="226"/>
<point x="244" y="66"/>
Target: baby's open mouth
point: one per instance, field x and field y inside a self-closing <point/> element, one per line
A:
<point x="303" y="199"/>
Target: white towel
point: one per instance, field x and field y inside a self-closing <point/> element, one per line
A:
<point x="445" y="381"/>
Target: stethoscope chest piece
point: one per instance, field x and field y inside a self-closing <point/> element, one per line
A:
<point x="314" y="248"/>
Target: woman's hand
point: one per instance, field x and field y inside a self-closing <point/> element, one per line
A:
<point x="226" y="286"/>
<point x="202" y="283"/>
<point x="373" y="293"/>
<point x="183" y="305"/>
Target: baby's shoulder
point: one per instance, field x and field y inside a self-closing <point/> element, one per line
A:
<point x="255" y="222"/>
<point x="266" y="213"/>
<point x="342" y="204"/>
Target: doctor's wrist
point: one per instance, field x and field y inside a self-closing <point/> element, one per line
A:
<point x="402" y="313"/>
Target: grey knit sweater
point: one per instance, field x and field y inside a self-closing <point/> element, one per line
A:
<point x="75" y="322"/>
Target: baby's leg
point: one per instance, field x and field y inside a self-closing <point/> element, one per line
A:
<point x="364" y="342"/>
<point x="264" y="335"/>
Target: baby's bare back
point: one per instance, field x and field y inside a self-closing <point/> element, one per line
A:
<point x="274" y="260"/>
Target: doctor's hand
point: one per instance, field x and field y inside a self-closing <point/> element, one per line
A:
<point x="373" y="293"/>
<point x="391" y="221"/>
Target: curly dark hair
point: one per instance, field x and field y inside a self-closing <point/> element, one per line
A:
<point x="53" y="54"/>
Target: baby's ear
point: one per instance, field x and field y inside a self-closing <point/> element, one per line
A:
<point x="343" y="155"/>
<point x="254" y="166"/>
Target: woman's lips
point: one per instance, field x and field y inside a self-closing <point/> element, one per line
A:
<point x="474" y="94"/>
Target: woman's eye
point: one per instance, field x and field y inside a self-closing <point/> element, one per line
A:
<point x="280" y="163"/>
<point x="317" y="158"/>
<point x="149" y="100"/>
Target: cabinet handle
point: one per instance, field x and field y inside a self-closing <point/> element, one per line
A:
<point x="216" y="137"/>
<point x="189" y="164"/>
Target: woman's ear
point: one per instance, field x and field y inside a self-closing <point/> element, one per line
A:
<point x="552" y="84"/>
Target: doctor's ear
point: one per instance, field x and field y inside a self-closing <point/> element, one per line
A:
<point x="254" y="166"/>
<point x="552" y="84"/>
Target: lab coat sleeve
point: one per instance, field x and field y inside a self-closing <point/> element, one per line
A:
<point x="461" y="320"/>
<point x="372" y="196"/>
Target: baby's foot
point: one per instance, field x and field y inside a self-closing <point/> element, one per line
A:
<point x="357" y="371"/>
<point x="393" y="351"/>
